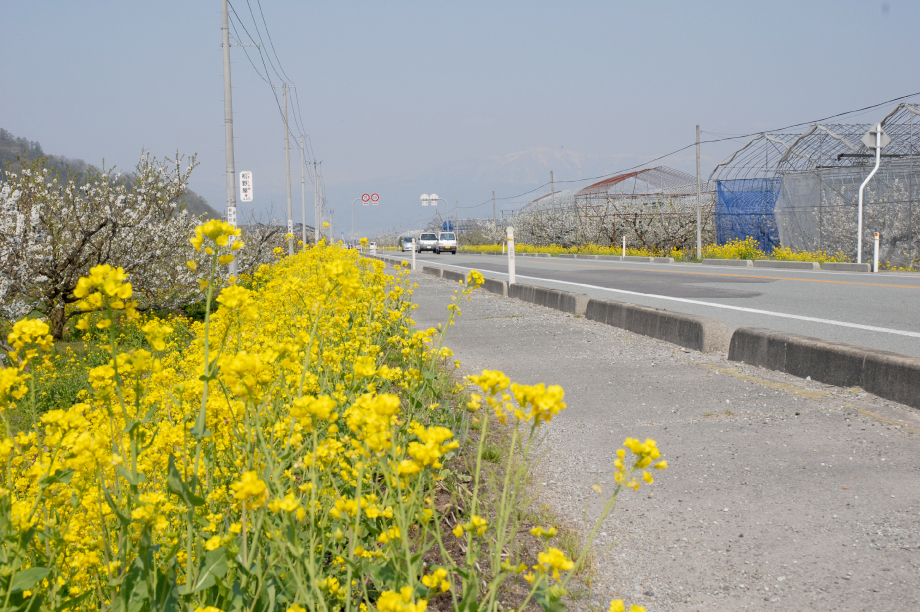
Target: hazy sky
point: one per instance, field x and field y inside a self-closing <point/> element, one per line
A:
<point x="412" y="97"/>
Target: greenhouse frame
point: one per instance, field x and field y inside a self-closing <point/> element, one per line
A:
<point x="801" y="190"/>
<point x="653" y="208"/>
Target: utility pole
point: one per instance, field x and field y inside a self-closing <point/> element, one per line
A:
<point x="699" y="200"/>
<point x="287" y="159"/>
<point x="552" y="188"/>
<point x="317" y="221"/>
<point x="493" y="206"/>
<point x="228" y="127"/>
<point x="303" y="195"/>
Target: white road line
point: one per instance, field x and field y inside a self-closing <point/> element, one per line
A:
<point x="886" y="330"/>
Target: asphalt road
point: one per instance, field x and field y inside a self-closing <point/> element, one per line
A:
<point x="872" y="310"/>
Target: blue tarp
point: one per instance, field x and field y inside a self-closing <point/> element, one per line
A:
<point x="745" y="208"/>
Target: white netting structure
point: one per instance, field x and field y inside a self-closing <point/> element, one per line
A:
<point x="801" y="190"/>
<point x="655" y="208"/>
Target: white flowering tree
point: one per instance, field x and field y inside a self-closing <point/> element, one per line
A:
<point x="663" y="224"/>
<point x="888" y="207"/>
<point x="53" y="229"/>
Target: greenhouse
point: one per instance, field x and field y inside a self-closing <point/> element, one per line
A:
<point x="801" y="190"/>
<point x="654" y="208"/>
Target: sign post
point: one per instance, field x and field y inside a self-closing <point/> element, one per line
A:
<point x="875" y="138"/>
<point x="510" y="231"/>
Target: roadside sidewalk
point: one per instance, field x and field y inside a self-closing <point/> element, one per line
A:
<point x="780" y="493"/>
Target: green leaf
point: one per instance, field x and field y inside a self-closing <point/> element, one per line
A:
<point x="111" y="502"/>
<point x="178" y="487"/>
<point x="26" y="579"/>
<point x="74" y="601"/>
<point x="58" y="476"/>
<point x="133" y="480"/>
<point x="214" y="566"/>
<point x="550" y="598"/>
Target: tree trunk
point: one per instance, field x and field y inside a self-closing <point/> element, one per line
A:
<point x="57" y="320"/>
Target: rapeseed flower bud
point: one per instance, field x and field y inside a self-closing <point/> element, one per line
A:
<point x="12" y="385"/>
<point x="617" y="605"/>
<point x="553" y="560"/>
<point x="490" y="381"/>
<point x="542" y="532"/>
<point x="156" y="334"/>
<point x="251" y="490"/>
<point x="390" y="601"/>
<point x="218" y="231"/>
<point x="437" y="578"/>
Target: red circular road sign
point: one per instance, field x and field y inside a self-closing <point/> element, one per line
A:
<point x="375" y="198"/>
<point x="365" y="198"/>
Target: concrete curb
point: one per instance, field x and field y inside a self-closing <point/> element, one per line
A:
<point x="697" y="333"/>
<point x="794" y="265"/>
<point x="496" y="286"/>
<point x="743" y="263"/>
<point x="453" y="276"/>
<point x="888" y="375"/>
<point x="433" y="271"/>
<point x="837" y="266"/>
<point x="572" y="303"/>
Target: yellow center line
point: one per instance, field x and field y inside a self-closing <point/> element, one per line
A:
<point x="803" y="280"/>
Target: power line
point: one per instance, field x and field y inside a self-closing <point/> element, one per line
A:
<point x="850" y="112"/>
<point x="693" y="144"/>
<point x="298" y="118"/>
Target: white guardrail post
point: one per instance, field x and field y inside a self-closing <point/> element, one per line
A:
<point x="413" y="255"/>
<point x="510" y="231"/>
<point x="875" y="260"/>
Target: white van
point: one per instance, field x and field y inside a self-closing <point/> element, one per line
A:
<point x="447" y="241"/>
<point x="428" y="241"/>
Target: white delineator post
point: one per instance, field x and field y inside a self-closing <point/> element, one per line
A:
<point x="510" y="231"/>
<point x="875" y="260"/>
<point x="859" y="223"/>
<point x="624" y="247"/>
<point x="413" y="254"/>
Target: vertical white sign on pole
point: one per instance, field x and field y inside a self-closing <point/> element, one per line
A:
<point x="510" y="231"/>
<point x="246" y="186"/>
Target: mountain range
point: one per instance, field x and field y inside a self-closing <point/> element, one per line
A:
<point x="14" y="150"/>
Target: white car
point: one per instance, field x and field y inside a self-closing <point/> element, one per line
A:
<point x="428" y="241"/>
<point x="406" y="243"/>
<point x="447" y="241"/>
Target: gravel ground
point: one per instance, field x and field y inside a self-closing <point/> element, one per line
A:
<point x="781" y="493"/>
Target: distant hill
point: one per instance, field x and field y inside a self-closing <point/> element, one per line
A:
<point x="12" y="149"/>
